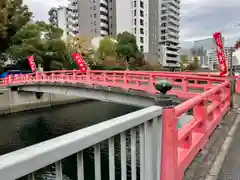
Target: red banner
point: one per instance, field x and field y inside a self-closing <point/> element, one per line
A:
<point x="220" y="53"/>
<point x="80" y="62"/>
<point x="32" y="63"/>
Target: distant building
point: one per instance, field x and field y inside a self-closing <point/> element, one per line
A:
<point x="201" y="47"/>
<point x="213" y="60"/>
<point x="59" y="18"/>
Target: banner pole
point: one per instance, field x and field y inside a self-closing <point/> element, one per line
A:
<point x="231" y="78"/>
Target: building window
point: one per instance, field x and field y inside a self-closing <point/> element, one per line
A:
<point x="95" y="30"/>
<point x="95" y="15"/>
<point x="141" y="22"/>
<point x="94" y="22"/>
<point x="141" y="13"/>
<point x="141" y="4"/>
<point x="141" y="39"/>
<point x="135" y="13"/>
<point x="141" y="48"/>
<point x="141" y="31"/>
<point x="135" y="21"/>
<point x="135" y="4"/>
<point x="94" y="7"/>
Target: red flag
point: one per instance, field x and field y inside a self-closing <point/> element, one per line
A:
<point x="32" y="63"/>
<point x="80" y="62"/>
<point x="220" y="53"/>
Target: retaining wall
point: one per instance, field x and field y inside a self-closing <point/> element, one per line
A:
<point x="14" y="101"/>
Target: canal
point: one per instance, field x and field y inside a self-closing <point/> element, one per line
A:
<point x="28" y="128"/>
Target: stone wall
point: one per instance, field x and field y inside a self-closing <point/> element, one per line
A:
<point x="14" y="101"/>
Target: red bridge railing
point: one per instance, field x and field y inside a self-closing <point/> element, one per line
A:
<point x="181" y="146"/>
<point x="184" y="86"/>
<point x="209" y="101"/>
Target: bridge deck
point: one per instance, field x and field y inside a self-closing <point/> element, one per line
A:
<point x="231" y="166"/>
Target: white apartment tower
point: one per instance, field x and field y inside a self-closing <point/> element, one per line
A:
<point x="155" y="23"/>
<point x="110" y="17"/>
<point x="130" y="16"/>
<point x="88" y="17"/>
<point x="73" y="27"/>
<point x="59" y="18"/>
<point x="169" y="33"/>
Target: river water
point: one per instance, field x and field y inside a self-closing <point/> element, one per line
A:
<point x="28" y="128"/>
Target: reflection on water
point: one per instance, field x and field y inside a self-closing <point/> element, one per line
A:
<point x="25" y="129"/>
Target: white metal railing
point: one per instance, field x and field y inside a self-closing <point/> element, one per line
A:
<point x="145" y="126"/>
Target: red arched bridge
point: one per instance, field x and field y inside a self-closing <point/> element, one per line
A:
<point x="164" y="152"/>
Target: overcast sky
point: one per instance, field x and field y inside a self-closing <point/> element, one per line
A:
<point x="199" y="18"/>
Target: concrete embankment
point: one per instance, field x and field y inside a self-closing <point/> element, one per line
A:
<point x="14" y="101"/>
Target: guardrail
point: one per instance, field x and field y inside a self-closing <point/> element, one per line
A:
<point x="180" y="147"/>
<point x="145" y="126"/>
<point x="184" y="86"/>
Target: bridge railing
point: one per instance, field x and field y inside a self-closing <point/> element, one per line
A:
<point x="139" y="144"/>
<point x="184" y="86"/>
<point x="181" y="146"/>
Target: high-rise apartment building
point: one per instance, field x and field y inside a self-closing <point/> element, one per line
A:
<point x="89" y="18"/>
<point x="154" y="23"/>
<point x="59" y="18"/>
<point x="130" y="16"/>
<point x="169" y="19"/>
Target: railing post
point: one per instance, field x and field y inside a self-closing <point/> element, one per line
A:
<point x="200" y="114"/>
<point x="9" y="79"/>
<point x="152" y="84"/>
<point x="238" y="85"/>
<point x="169" y="164"/>
<point x="184" y="84"/>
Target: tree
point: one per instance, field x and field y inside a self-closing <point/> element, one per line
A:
<point x="194" y="65"/>
<point x="41" y="40"/>
<point x="183" y="61"/>
<point x="80" y="44"/>
<point x="107" y="48"/>
<point x="16" y="16"/>
<point x="127" y="47"/>
<point x="196" y="62"/>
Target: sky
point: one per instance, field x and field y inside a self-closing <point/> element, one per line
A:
<point x="199" y="19"/>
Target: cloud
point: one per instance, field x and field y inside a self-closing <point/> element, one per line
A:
<point x="201" y="18"/>
<point x="40" y="8"/>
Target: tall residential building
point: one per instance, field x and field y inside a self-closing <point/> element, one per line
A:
<point x="102" y="17"/>
<point x="130" y="16"/>
<point x="89" y="18"/>
<point x="154" y="23"/>
<point x="59" y="18"/>
<point x="169" y="19"/>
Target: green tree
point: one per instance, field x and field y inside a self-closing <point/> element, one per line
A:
<point x="107" y="48"/>
<point x="183" y="61"/>
<point x="194" y="65"/>
<point x="127" y="47"/>
<point x="43" y="41"/>
<point x="13" y="17"/>
<point x="196" y="62"/>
